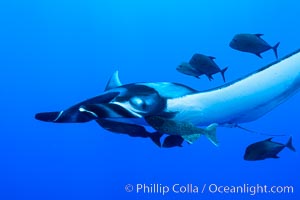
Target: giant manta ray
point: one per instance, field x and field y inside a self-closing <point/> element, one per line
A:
<point x="123" y="108"/>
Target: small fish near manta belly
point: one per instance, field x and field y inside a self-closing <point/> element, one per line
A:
<point x="173" y="141"/>
<point x="186" y="130"/>
<point x="266" y="149"/>
<point x="252" y="43"/>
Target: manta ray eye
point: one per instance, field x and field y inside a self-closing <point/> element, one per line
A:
<point x="138" y="103"/>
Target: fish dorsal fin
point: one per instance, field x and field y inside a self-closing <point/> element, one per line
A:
<point x="259" y="34"/>
<point x="269" y="139"/>
<point x="211" y="57"/>
<point x="114" y="81"/>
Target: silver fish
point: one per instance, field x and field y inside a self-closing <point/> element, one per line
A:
<point x="201" y="64"/>
<point x="266" y="149"/>
<point x="252" y="43"/>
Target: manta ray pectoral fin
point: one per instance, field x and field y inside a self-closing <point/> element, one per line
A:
<point x="114" y="81"/>
<point x="191" y="138"/>
<point x="132" y="130"/>
<point x="211" y="133"/>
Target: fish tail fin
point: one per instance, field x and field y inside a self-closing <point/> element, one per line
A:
<point x="290" y="145"/>
<point x="211" y="133"/>
<point x="155" y="137"/>
<point x="223" y="73"/>
<point x="275" y="47"/>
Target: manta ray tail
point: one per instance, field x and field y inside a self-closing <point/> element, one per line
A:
<point x="211" y="133"/>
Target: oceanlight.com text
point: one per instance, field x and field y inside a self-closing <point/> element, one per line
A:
<point x="164" y="189"/>
<point x="250" y="189"/>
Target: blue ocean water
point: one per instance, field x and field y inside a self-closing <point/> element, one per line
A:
<point x="54" y="54"/>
